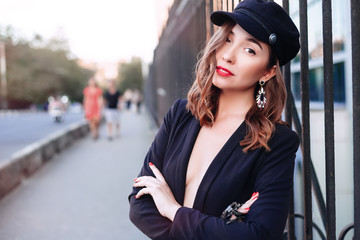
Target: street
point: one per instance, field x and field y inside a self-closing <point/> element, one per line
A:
<point x="81" y="194"/>
<point x="22" y="129"/>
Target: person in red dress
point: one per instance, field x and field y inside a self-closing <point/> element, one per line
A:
<point x="92" y="105"/>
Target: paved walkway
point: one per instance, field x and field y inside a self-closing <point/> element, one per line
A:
<point x="82" y="193"/>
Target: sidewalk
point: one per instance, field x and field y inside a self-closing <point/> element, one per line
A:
<point x="82" y="193"/>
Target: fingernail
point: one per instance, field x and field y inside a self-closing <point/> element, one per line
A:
<point x="246" y="208"/>
<point x="151" y="164"/>
<point x="135" y="179"/>
<point x="253" y="194"/>
<point x="135" y="196"/>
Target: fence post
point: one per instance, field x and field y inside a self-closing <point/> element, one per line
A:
<point x="329" y="121"/>
<point x="355" y="38"/>
<point x="304" y="76"/>
<point x="288" y="119"/>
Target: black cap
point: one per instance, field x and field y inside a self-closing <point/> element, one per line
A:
<point x="266" y="21"/>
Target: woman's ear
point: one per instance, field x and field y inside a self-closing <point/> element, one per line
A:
<point x="269" y="74"/>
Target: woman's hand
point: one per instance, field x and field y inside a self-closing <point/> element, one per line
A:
<point x="160" y="191"/>
<point x="244" y="208"/>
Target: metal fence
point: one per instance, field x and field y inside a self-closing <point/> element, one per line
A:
<point x="171" y="75"/>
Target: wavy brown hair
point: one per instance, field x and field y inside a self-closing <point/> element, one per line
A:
<point x="203" y="96"/>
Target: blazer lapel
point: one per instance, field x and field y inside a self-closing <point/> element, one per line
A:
<point x="183" y="160"/>
<point x="216" y="166"/>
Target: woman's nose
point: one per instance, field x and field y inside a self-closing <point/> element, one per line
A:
<point x="228" y="56"/>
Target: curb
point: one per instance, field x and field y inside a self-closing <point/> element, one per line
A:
<point x="7" y="113"/>
<point x="25" y="162"/>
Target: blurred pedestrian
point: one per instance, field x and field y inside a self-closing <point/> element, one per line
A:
<point x="128" y="98"/>
<point x="56" y="108"/>
<point x="92" y="105"/>
<point x="112" y="98"/>
<point x="137" y="99"/>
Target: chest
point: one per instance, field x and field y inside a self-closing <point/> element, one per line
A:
<point x="208" y="144"/>
<point x="93" y="93"/>
<point x="203" y="177"/>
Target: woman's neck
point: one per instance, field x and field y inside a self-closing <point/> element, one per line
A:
<point x="234" y="104"/>
<point x="112" y="90"/>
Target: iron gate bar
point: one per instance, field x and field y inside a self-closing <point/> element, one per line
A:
<point x="355" y="39"/>
<point x="345" y="230"/>
<point x="287" y="79"/>
<point x="211" y="5"/>
<point x="315" y="182"/>
<point x="329" y="121"/>
<point x="304" y="76"/>
<point x="321" y="234"/>
<point x="288" y="119"/>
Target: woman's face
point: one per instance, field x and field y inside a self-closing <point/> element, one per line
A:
<point x="241" y="62"/>
<point x="91" y="82"/>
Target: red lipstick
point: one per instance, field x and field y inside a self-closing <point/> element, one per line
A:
<point x="223" y="71"/>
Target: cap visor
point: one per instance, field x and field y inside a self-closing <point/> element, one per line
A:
<point x="220" y="17"/>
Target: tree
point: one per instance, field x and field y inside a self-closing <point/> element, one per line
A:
<point x="130" y="75"/>
<point x="37" y="69"/>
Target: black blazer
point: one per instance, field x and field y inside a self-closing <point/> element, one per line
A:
<point x="232" y="176"/>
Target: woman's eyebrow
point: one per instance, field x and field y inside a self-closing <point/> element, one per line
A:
<point x="254" y="41"/>
<point x="250" y="39"/>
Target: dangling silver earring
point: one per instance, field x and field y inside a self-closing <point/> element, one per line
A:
<point x="260" y="97"/>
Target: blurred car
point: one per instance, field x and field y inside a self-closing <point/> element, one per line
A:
<point x="75" y="107"/>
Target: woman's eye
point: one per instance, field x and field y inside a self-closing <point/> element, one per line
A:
<point x="227" y="39"/>
<point x="249" y="50"/>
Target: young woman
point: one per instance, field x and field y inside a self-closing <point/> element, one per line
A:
<point x="226" y="143"/>
<point x="92" y="105"/>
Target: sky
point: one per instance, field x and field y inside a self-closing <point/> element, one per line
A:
<point x="96" y="30"/>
